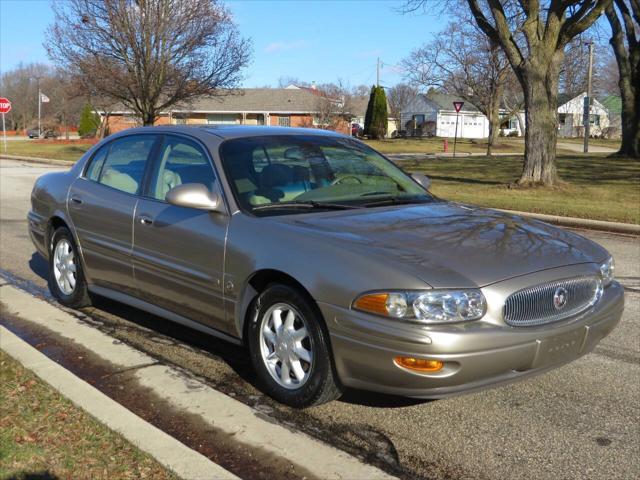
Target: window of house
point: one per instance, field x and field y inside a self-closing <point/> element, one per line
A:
<point x="562" y="118"/>
<point x="284" y="121"/>
<point x="594" y="120"/>
<point x="180" y="120"/>
<point x="222" y="119"/>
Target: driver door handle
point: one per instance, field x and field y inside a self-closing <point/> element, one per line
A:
<point x="145" y="220"/>
<point x="76" y="199"/>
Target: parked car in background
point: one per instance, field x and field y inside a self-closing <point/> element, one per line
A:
<point x="46" y="133"/>
<point x="356" y="130"/>
<point x="334" y="267"/>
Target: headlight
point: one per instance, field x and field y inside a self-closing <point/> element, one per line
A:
<point x="607" y="271"/>
<point x="431" y="306"/>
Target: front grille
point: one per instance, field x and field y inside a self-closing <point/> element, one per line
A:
<point x="542" y="303"/>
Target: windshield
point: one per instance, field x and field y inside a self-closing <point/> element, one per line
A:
<point x="277" y="174"/>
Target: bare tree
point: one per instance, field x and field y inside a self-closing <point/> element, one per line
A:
<point x="333" y="105"/>
<point x="463" y="61"/>
<point x="533" y="36"/>
<point x="284" y="82"/>
<point x="399" y="97"/>
<point x="624" y="17"/>
<point x="148" y="54"/>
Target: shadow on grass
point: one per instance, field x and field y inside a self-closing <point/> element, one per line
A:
<point x="44" y="475"/>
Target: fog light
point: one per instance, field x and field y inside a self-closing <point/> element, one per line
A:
<point x="419" y="364"/>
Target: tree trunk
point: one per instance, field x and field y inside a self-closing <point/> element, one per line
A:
<point x="148" y="119"/>
<point x="540" y="86"/>
<point x="628" y="60"/>
<point x="630" y="125"/>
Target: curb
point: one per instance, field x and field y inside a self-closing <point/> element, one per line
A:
<point x="613" y="227"/>
<point x="250" y="428"/>
<point x="169" y="452"/>
<point x="48" y="161"/>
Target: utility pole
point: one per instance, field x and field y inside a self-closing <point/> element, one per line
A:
<point x="378" y="73"/>
<point x="587" y="101"/>
<point x="39" y="107"/>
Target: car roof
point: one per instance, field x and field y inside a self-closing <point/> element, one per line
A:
<point x="233" y="131"/>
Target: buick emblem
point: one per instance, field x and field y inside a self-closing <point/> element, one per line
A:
<point x="560" y="297"/>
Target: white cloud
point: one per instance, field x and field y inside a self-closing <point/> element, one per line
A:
<point x="275" y="47"/>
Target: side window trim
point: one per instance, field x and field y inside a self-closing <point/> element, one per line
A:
<point x="106" y="147"/>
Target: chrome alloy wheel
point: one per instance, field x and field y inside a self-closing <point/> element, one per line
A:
<point x="286" y="346"/>
<point x="64" y="266"/>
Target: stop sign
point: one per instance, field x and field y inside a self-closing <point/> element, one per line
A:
<point x="5" y="105"/>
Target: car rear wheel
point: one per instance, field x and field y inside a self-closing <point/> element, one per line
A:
<point x="66" y="277"/>
<point x="289" y="349"/>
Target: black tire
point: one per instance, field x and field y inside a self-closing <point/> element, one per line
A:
<point x="322" y="384"/>
<point x="79" y="297"/>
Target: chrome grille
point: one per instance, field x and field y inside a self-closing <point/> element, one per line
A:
<point x="536" y="305"/>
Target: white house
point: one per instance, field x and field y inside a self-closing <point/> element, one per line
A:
<point x="433" y="114"/>
<point x="571" y="112"/>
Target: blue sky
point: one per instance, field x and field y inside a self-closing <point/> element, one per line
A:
<point x="312" y="40"/>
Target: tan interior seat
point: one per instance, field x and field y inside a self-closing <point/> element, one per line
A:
<point x="119" y="181"/>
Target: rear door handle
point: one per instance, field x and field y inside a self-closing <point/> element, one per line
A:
<point x="145" y="220"/>
<point x="76" y="199"/>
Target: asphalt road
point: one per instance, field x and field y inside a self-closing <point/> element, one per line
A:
<point x="579" y="421"/>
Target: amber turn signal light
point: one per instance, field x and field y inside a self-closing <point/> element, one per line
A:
<point x="419" y="364"/>
<point x="375" y="303"/>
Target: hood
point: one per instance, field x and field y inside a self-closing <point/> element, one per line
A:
<point x="449" y="245"/>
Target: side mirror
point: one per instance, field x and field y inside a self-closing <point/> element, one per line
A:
<point x="195" y="195"/>
<point x="422" y="179"/>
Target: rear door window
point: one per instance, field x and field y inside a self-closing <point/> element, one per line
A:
<point x="124" y="166"/>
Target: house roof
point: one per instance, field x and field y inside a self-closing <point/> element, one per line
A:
<point x="613" y="103"/>
<point x="256" y="100"/>
<point x="358" y="105"/>
<point x="445" y="101"/>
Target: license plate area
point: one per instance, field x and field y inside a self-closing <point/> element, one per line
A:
<point x="560" y="348"/>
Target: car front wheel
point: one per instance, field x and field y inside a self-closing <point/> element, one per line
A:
<point x="66" y="277"/>
<point x="289" y="349"/>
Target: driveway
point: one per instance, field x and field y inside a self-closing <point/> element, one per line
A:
<point x="580" y="421"/>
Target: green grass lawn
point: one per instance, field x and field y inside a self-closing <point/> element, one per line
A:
<point x="55" y="149"/>
<point x="596" y="186"/>
<point x="602" y="142"/>
<point x="436" y="145"/>
<point x="44" y="436"/>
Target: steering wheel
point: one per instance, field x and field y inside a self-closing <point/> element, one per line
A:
<point x="338" y="181"/>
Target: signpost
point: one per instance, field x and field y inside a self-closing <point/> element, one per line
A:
<point x="5" y="107"/>
<point x="458" y="107"/>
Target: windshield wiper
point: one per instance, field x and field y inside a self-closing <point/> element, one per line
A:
<point x="311" y="204"/>
<point x="394" y="200"/>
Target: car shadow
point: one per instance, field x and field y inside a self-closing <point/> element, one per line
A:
<point x="32" y="476"/>
<point x="39" y="265"/>
<point x="379" y="400"/>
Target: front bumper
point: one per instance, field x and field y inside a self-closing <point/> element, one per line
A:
<point x="476" y="355"/>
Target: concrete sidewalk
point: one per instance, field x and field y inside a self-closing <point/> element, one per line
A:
<point x="177" y="457"/>
<point x="252" y="430"/>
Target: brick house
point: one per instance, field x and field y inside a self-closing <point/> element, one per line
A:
<point x="285" y="107"/>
